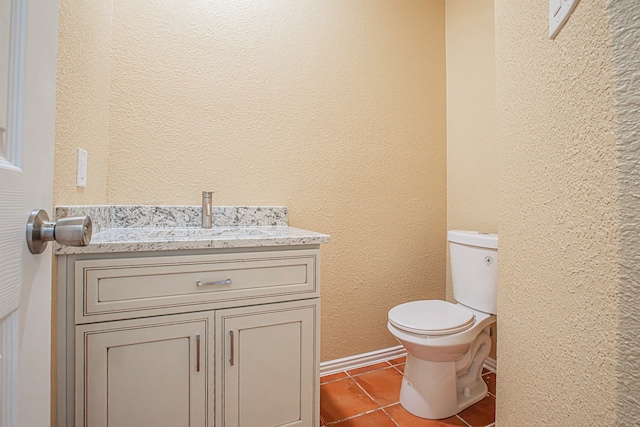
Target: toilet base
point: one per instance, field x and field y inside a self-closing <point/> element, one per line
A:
<point x="429" y="389"/>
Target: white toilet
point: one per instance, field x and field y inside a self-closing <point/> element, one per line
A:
<point x="448" y="343"/>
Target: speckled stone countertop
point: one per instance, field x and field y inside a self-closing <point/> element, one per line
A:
<point x="164" y="228"/>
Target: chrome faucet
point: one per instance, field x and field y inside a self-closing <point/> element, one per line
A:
<point x="207" y="208"/>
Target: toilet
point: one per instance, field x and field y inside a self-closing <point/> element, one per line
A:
<point x="447" y="343"/>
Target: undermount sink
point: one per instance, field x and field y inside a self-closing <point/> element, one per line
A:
<point x="213" y="232"/>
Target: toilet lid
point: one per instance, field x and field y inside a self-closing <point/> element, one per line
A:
<point x="431" y="317"/>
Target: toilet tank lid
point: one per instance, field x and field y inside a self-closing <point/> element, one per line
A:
<point x="474" y="238"/>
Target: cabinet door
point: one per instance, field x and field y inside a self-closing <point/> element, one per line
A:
<point x="147" y="372"/>
<point x="267" y="371"/>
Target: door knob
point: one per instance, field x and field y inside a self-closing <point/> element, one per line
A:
<point x="74" y="231"/>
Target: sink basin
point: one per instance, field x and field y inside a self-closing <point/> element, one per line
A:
<point x="229" y="232"/>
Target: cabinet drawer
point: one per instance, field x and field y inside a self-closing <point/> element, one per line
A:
<point x="127" y="288"/>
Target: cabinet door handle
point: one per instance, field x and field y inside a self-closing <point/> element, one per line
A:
<point x="198" y="353"/>
<point x="232" y="344"/>
<point x="221" y="282"/>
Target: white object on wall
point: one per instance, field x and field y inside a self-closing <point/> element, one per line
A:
<point x="81" y="174"/>
<point x="559" y="12"/>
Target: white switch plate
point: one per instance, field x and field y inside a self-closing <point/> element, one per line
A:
<point x="81" y="171"/>
<point x="559" y="12"/>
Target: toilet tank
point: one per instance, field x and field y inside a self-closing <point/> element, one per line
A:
<point x="474" y="269"/>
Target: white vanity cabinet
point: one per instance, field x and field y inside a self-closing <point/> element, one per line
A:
<point x="143" y="372"/>
<point x="221" y="337"/>
<point x="265" y="371"/>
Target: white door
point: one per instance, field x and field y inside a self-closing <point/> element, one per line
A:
<point x="28" y="47"/>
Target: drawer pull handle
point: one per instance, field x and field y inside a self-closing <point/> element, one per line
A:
<point x="221" y="282"/>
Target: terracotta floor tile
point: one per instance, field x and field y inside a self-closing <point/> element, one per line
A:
<point x="372" y="419"/>
<point x="398" y="361"/>
<point x="481" y="414"/>
<point x="333" y="377"/>
<point x="383" y="385"/>
<point x="342" y="399"/>
<point x="368" y="368"/>
<point x="407" y="419"/>
<point x="490" y="379"/>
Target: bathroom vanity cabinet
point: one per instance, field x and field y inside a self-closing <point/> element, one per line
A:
<point x="206" y="337"/>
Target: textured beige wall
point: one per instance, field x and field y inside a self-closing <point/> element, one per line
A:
<point x="335" y="109"/>
<point x="625" y="23"/>
<point x="82" y="100"/>
<point x="559" y="217"/>
<point x="472" y="173"/>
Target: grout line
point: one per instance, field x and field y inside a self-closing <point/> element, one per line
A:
<point x="333" y="381"/>
<point x="353" y="378"/>
<point x="375" y="401"/>
<point x="390" y="405"/>
<point x="461" y="419"/>
<point x="353" y="416"/>
<point x="396" y="368"/>
<point x="398" y="363"/>
<point x="390" y="417"/>
<point x="365" y="392"/>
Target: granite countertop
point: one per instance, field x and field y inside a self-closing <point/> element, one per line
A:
<point x="165" y="228"/>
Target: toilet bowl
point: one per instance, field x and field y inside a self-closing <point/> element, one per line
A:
<point x="448" y="343"/>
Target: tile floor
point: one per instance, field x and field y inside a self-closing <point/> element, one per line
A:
<point x="368" y="396"/>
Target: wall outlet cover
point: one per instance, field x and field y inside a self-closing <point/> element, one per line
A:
<point x="81" y="171"/>
<point x="559" y="12"/>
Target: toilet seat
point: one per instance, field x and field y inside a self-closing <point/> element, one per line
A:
<point x="431" y="317"/>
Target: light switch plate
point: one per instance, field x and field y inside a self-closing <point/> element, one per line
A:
<point x="81" y="171"/>
<point x="559" y="12"/>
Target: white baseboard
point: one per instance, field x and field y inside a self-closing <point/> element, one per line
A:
<point x="352" y="362"/>
<point x="491" y="364"/>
